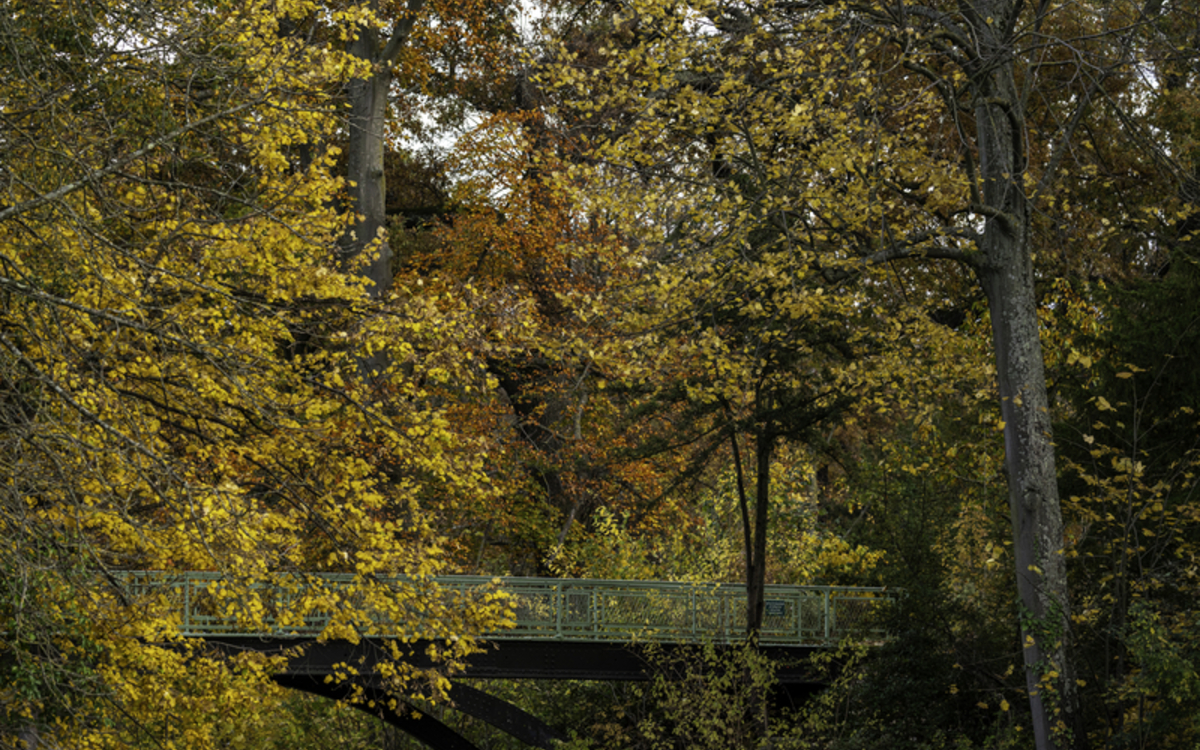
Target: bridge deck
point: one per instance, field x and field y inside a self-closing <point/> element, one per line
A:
<point x="548" y="609"/>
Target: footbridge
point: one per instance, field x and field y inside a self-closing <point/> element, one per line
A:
<point x="562" y="629"/>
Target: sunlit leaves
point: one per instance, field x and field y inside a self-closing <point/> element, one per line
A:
<point x="180" y="356"/>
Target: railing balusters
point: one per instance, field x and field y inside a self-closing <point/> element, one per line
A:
<point x="645" y="610"/>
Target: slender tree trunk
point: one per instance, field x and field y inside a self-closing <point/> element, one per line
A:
<point x="747" y="533"/>
<point x="754" y="534"/>
<point x="756" y="573"/>
<point x="1005" y="271"/>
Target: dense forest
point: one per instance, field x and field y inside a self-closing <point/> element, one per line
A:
<point x="815" y="292"/>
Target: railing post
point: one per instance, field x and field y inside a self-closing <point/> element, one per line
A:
<point x="692" y="599"/>
<point x="187" y="603"/>
<point x="730" y="616"/>
<point x="828" y="614"/>
<point x="833" y="615"/>
<point x="558" y="598"/>
<point x="723" y="616"/>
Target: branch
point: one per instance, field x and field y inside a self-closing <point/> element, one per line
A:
<point x="89" y="415"/>
<point x="950" y="29"/>
<point x="994" y="213"/>
<point x="402" y="32"/>
<point x="118" y="164"/>
<point x="911" y="248"/>
<point x="1062" y="143"/>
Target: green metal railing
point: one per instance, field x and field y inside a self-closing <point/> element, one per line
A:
<point x="546" y="608"/>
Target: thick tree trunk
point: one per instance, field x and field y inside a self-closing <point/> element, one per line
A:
<point x="365" y="147"/>
<point x="364" y="248"/>
<point x="364" y="169"/>
<point x="1005" y="271"/>
<point x="1033" y="500"/>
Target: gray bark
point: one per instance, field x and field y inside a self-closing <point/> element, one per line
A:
<point x="364" y="169"/>
<point x="28" y="738"/>
<point x="365" y="150"/>
<point x="1005" y="271"/>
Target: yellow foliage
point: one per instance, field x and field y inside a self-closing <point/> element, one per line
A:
<point x="181" y="370"/>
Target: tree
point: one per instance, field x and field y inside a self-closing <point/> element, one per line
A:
<point x="400" y="43"/>
<point x="507" y="237"/>
<point x="730" y="316"/>
<point x="889" y="133"/>
<point x="179" y="362"/>
<point x="742" y="351"/>
<point x="1128" y="443"/>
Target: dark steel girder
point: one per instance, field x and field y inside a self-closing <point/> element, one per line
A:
<point x="516" y="659"/>
<point x="375" y="700"/>
<point x="311" y="662"/>
<point x="379" y="704"/>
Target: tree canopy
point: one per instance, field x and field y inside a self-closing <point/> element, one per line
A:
<point x="805" y="292"/>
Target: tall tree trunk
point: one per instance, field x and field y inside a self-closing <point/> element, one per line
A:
<point x="744" y="506"/>
<point x="364" y="170"/>
<point x="1005" y="271"/>
<point x="365" y="148"/>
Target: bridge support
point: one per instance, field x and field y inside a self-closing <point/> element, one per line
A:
<point x="405" y="716"/>
<point x="309" y="663"/>
<point x="503" y="659"/>
<point x="469" y="700"/>
<point x="504" y="716"/>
